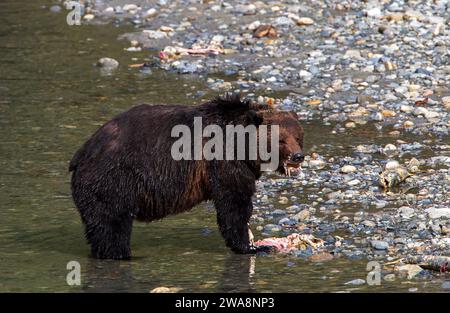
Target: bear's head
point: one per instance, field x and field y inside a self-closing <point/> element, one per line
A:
<point x="231" y="109"/>
<point x="290" y="138"/>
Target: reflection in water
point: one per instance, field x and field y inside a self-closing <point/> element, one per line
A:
<point x="238" y="274"/>
<point x="108" y="276"/>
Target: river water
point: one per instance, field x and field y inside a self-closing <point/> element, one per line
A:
<point x="51" y="99"/>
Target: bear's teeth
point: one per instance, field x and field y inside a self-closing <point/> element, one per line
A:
<point x="286" y="169"/>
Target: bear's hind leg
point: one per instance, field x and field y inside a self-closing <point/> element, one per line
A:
<point x="110" y="238"/>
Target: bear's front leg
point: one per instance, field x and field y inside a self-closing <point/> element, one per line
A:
<point x="233" y="224"/>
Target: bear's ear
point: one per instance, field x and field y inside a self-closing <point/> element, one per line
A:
<point x="254" y="118"/>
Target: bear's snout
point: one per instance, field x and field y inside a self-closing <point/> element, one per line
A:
<point x="297" y="157"/>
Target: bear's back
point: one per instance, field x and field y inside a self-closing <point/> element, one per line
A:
<point x="142" y="130"/>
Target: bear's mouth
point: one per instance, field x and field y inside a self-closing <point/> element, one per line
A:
<point x="291" y="167"/>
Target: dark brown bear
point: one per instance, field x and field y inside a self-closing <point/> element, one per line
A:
<point x="125" y="171"/>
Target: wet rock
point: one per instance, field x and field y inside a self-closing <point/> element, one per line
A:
<point x="185" y="67"/>
<point x="392" y="165"/>
<point x="272" y="228"/>
<point x="155" y="34"/>
<point x="406" y="212"/>
<point x="304" y="254"/>
<point x="369" y="223"/>
<point x="420" y="111"/>
<point x="380" y="204"/>
<point x="150" y="13"/>
<point x="108" y="63"/>
<point x="446" y="285"/>
<point x="305" y="75"/>
<point x="165" y="290"/>
<point x="389" y="277"/>
<point x="389" y="149"/>
<point x="283" y="200"/>
<point x="356" y="282"/>
<point x="88" y="17"/>
<point x="348" y="169"/>
<point x="287" y="222"/>
<point x="353" y="54"/>
<point x="302" y="215"/>
<point x="409" y="270"/>
<point x="55" y="9"/>
<point x="304" y="21"/>
<point x="317" y="164"/>
<point x="379" y="245"/>
<point x="350" y="125"/>
<point x="321" y="257"/>
<point x="265" y="31"/>
<point x="446" y="102"/>
<point x="435" y="213"/>
<point x="284" y="21"/>
<point x="278" y="212"/>
<point x="373" y="12"/>
<point x="130" y="7"/>
<point x="249" y="9"/>
<point x="354" y="182"/>
<point x="408" y="124"/>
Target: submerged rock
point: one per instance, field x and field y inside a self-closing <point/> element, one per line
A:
<point x="108" y="63"/>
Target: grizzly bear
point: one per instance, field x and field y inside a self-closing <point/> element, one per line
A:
<point x="125" y="172"/>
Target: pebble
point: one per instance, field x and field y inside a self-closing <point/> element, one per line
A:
<point x="389" y="277"/>
<point x="55" y="9"/>
<point x="130" y="7"/>
<point x="373" y="12"/>
<point x="348" y="169"/>
<point x="88" y="17"/>
<point x="108" y="63"/>
<point x="283" y="200"/>
<point x="406" y="212"/>
<point x="446" y="285"/>
<point x="389" y="149"/>
<point x="163" y="289"/>
<point x="302" y="21"/>
<point x="391" y="165"/>
<point x="151" y="13"/>
<point x="249" y="9"/>
<point x="354" y="182"/>
<point x="321" y="257"/>
<point x="272" y="228"/>
<point x="446" y="102"/>
<point x="350" y="125"/>
<point x="369" y="223"/>
<point x="379" y="244"/>
<point x="302" y="215"/>
<point x="408" y="124"/>
<point x="435" y="213"/>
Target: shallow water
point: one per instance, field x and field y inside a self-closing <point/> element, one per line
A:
<point x="51" y="99"/>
